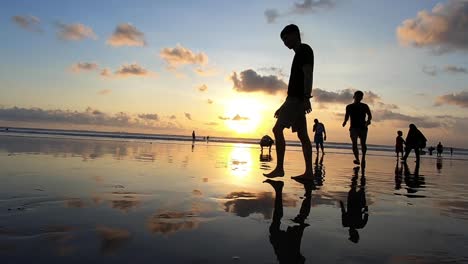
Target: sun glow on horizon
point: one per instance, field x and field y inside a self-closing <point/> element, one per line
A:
<point x="244" y="115"/>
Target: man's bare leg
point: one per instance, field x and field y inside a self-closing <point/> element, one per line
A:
<point x="355" y="151"/>
<point x="307" y="152"/>
<point x="280" y="149"/>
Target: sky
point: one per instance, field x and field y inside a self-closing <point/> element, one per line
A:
<point x="221" y="69"/>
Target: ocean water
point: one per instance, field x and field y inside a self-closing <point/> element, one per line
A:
<point x="79" y="199"/>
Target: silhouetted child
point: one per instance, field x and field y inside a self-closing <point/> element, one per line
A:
<point x="399" y="144"/>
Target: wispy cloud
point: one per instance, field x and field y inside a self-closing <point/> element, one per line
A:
<point x="211" y="124"/>
<point x="342" y="96"/>
<point x="30" y="23"/>
<point x="381" y="115"/>
<point x="202" y="88"/>
<point x="104" y="91"/>
<point x="205" y="72"/>
<point x="154" y="117"/>
<point x="89" y="116"/>
<point x="452" y="69"/>
<point x="180" y="55"/>
<point x="129" y="70"/>
<point x="443" y="29"/>
<point x="458" y="99"/>
<point x="251" y="81"/>
<point x="84" y="66"/>
<point x="239" y="118"/>
<point x="74" y="32"/>
<point x="301" y="8"/>
<point x="188" y="116"/>
<point x="126" y="35"/>
<point x="209" y="101"/>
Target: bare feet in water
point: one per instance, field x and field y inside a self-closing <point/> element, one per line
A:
<point x="305" y="176"/>
<point x="274" y="173"/>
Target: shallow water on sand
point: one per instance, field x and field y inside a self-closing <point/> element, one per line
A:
<point x="87" y="201"/>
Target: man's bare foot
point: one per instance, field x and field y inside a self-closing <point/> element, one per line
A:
<point x="305" y="176"/>
<point x="277" y="185"/>
<point x="356" y="162"/>
<point x="274" y="173"/>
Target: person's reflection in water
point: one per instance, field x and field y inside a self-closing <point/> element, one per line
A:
<point x="357" y="213"/>
<point x="413" y="181"/>
<point x="439" y="164"/>
<point x="287" y="244"/>
<point x="398" y="175"/>
<point x="319" y="171"/>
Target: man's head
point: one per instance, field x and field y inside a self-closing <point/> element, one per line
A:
<point x="400" y="133"/>
<point x="315" y="120"/>
<point x="358" y="95"/>
<point x="291" y="36"/>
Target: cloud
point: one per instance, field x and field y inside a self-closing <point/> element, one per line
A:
<point x="271" y="15"/>
<point x="455" y="69"/>
<point x="84" y="66"/>
<point x="211" y="124"/>
<point x="106" y="73"/>
<point x="452" y="69"/>
<point x="30" y="23"/>
<point x="134" y="69"/>
<point x="443" y="29"/>
<point x="154" y="117"/>
<point x="188" y="116"/>
<point x="459" y="99"/>
<point x="342" y="96"/>
<point x="206" y="71"/>
<point x="224" y="118"/>
<point x="180" y="55"/>
<point x="202" y="88"/>
<point x="172" y="117"/>
<point x="89" y="116"/>
<point x="250" y="81"/>
<point x="430" y="70"/>
<point x="239" y="118"/>
<point x="381" y="115"/>
<point x="126" y="35"/>
<point x="74" y="32"/>
<point x="209" y="101"/>
<point x="301" y="8"/>
<point x="104" y="91"/>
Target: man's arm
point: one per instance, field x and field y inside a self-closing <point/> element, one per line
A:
<point x="308" y="70"/>
<point x="324" y="132"/>
<point x="346" y="117"/>
<point x="369" y="116"/>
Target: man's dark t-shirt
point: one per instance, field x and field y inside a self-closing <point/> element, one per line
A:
<point x="357" y="113"/>
<point x="304" y="55"/>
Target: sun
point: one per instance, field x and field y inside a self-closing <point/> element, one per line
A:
<point x="243" y="115"/>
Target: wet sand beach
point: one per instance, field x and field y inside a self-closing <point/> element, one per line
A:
<point x="109" y="201"/>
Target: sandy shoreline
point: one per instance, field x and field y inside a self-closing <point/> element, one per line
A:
<point x="122" y="201"/>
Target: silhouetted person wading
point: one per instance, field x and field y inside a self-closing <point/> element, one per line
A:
<point x="293" y="111"/>
<point x="357" y="111"/>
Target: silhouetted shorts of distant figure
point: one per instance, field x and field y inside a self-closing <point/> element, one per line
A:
<point x="358" y="132"/>
<point x="318" y="138"/>
<point x="292" y="114"/>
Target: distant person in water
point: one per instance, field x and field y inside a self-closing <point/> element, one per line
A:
<point x="430" y="149"/>
<point x="416" y="140"/>
<point x="451" y="151"/>
<point x="358" y="111"/>
<point x="193" y="135"/>
<point x="292" y="114"/>
<point x="440" y="149"/>
<point x="399" y="144"/>
<point x="320" y="135"/>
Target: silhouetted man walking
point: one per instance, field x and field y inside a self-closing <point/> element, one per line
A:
<point x="293" y="111"/>
<point x="357" y="111"/>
